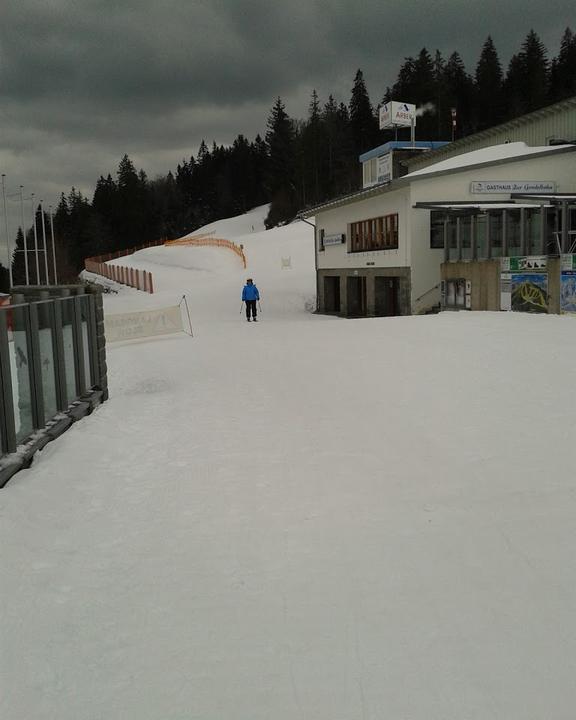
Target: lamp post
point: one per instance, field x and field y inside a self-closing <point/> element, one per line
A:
<point x="45" y="243"/>
<point x="35" y="240"/>
<point x="24" y="234"/>
<point x="8" y="244"/>
<point x="53" y="245"/>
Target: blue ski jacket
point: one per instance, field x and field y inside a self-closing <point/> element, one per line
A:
<point x="250" y="292"/>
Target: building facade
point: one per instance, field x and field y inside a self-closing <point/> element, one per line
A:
<point x="387" y="249"/>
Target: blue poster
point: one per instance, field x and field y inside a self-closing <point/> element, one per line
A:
<point x="568" y="291"/>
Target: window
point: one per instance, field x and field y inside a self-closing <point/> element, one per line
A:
<point x="379" y="233"/>
<point x="436" y="230"/>
<point x="370" y="172"/>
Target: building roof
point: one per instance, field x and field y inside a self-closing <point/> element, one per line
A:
<point x="401" y="145"/>
<point x="495" y="155"/>
<point x="563" y="106"/>
<point x="488" y="156"/>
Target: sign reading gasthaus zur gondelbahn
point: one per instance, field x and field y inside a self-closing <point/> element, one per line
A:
<point x="486" y="187"/>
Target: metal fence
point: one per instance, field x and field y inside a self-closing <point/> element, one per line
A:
<point x="50" y="371"/>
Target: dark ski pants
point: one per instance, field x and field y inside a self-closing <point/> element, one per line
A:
<point x="250" y="308"/>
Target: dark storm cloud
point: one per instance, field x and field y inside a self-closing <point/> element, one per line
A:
<point x="83" y="81"/>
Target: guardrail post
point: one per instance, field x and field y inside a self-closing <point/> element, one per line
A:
<point x="7" y="424"/>
<point x="36" y="388"/>
<point x="58" y="339"/>
<point x="78" y="347"/>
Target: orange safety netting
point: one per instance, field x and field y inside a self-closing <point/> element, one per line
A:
<point x="207" y="241"/>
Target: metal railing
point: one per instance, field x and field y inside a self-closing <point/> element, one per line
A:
<point x="49" y="361"/>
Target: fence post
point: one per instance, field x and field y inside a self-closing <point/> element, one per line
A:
<point x="7" y="424"/>
<point x="35" y="369"/>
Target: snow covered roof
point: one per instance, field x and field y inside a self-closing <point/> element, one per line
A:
<point x="486" y="156"/>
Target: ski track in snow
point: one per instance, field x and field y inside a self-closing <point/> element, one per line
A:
<point x="308" y="518"/>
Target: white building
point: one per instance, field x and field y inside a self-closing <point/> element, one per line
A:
<point x="381" y="251"/>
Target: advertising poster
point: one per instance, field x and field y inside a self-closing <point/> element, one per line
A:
<point x="523" y="263"/>
<point x="568" y="291"/>
<point x="529" y="292"/>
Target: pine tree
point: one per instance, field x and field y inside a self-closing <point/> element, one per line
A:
<point x="19" y="261"/>
<point x="417" y="84"/>
<point x="106" y="204"/>
<point x="313" y="153"/>
<point x="458" y="88"/>
<point x="363" y="123"/>
<point x="563" y="69"/>
<point x="526" y="84"/>
<point x="488" y="97"/>
<point x="280" y="141"/>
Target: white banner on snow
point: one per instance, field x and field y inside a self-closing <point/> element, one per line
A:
<point x="147" y="323"/>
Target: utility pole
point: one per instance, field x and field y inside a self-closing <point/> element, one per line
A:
<point x="53" y="245"/>
<point x="45" y="243"/>
<point x="8" y="244"/>
<point x="24" y="233"/>
<point x="35" y="240"/>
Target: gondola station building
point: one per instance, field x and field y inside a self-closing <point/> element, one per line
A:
<point x="490" y="229"/>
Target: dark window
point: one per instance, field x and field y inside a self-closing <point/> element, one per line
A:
<point x="332" y="293"/>
<point x="436" y="230"/>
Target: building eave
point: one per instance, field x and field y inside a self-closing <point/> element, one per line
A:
<point x="363" y="194"/>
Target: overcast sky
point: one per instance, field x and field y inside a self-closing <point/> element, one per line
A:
<point x="84" y="81"/>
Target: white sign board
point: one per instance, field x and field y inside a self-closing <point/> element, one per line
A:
<point x="397" y="114"/>
<point x="486" y="187"/>
<point x="334" y="239"/>
<point x="505" y="291"/>
<point x="129" y="326"/>
<point x="384" y="171"/>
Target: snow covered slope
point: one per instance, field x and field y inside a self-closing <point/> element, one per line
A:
<point x="212" y="278"/>
<point x="305" y="518"/>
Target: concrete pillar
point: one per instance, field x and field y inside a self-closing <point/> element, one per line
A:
<point x="370" y="294"/>
<point x="344" y="294"/>
<point x="523" y="250"/>
<point x="542" y="230"/>
<point x="458" y="239"/>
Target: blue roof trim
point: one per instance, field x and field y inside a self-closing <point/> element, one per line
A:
<point x="401" y="145"/>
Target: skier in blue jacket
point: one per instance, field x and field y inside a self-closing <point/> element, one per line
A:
<point x="249" y="295"/>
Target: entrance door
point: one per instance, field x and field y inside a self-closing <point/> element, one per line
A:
<point x="331" y="294"/>
<point x="356" y="289"/>
<point x="386" y="302"/>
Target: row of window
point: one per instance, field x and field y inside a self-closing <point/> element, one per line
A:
<point x="533" y="240"/>
<point x="379" y="233"/>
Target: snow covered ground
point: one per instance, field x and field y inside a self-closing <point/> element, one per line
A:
<point x="305" y="518"/>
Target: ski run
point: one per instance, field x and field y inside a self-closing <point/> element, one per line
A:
<point x="315" y="519"/>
